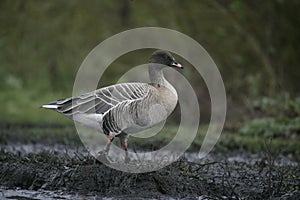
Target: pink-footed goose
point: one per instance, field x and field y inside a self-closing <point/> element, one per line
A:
<point x="123" y="109"/>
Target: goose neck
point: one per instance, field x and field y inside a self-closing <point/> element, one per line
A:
<point x="156" y="75"/>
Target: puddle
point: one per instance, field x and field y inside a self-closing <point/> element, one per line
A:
<point x="19" y="194"/>
<point x="71" y="151"/>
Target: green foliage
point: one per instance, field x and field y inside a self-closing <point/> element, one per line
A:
<point x="279" y="117"/>
<point x="275" y="127"/>
<point x="278" y="120"/>
<point x="22" y="106"/>
<point x="282" y="105"/>
<point x="43" y="44"/>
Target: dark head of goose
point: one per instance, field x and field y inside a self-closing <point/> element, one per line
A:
<point x="164" y="58"/>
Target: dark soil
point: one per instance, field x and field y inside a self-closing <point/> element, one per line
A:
<point x="87" y="176"/>
<point x="265" y="177"/>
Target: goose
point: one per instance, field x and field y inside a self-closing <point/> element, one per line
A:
<point x="123" y="109"/>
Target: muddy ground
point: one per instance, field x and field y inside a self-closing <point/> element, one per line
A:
<point x="35" y="167"/>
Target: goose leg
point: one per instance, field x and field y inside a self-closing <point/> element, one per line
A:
<point x="110" y="138"/>
<point x="123" y="141"/>
<point x="103" y="155"/>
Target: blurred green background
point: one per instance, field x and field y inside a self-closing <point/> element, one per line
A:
<point x="255" y="44"/>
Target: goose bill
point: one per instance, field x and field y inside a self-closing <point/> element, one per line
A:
<point x="175" y="64"/>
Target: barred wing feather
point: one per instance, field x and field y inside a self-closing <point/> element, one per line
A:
<point x="102" y="100"/>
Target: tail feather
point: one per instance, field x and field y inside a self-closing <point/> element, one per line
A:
<point x="51" y="105"/>
<point x="56" y="105"/>
<point x="77" y="111"/>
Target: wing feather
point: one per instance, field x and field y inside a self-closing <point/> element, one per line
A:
<point x="102" y="100"/>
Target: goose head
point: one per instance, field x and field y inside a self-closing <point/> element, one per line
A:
<point x="164" y="58"/>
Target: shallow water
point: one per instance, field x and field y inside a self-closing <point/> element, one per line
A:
<point x="63" y="150"/>
<point x="19" y="194"/>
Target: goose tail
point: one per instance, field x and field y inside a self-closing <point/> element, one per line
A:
<point x="51" y="105"/>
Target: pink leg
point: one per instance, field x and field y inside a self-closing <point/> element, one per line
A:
<point x="123" y="141"/>
<point x="124" y="147"/>
<point x="110" y="138"/>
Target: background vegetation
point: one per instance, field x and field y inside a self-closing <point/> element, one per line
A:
<point x="254" y="43"/>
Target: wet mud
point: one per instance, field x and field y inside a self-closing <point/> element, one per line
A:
<point x="87" y="176"/>
<point x="36" y="170"/>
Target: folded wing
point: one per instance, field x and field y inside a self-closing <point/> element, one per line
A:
<point x="90" y="108"/>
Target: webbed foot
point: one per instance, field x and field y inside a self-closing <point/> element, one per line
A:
<point x="103" y="157"/>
